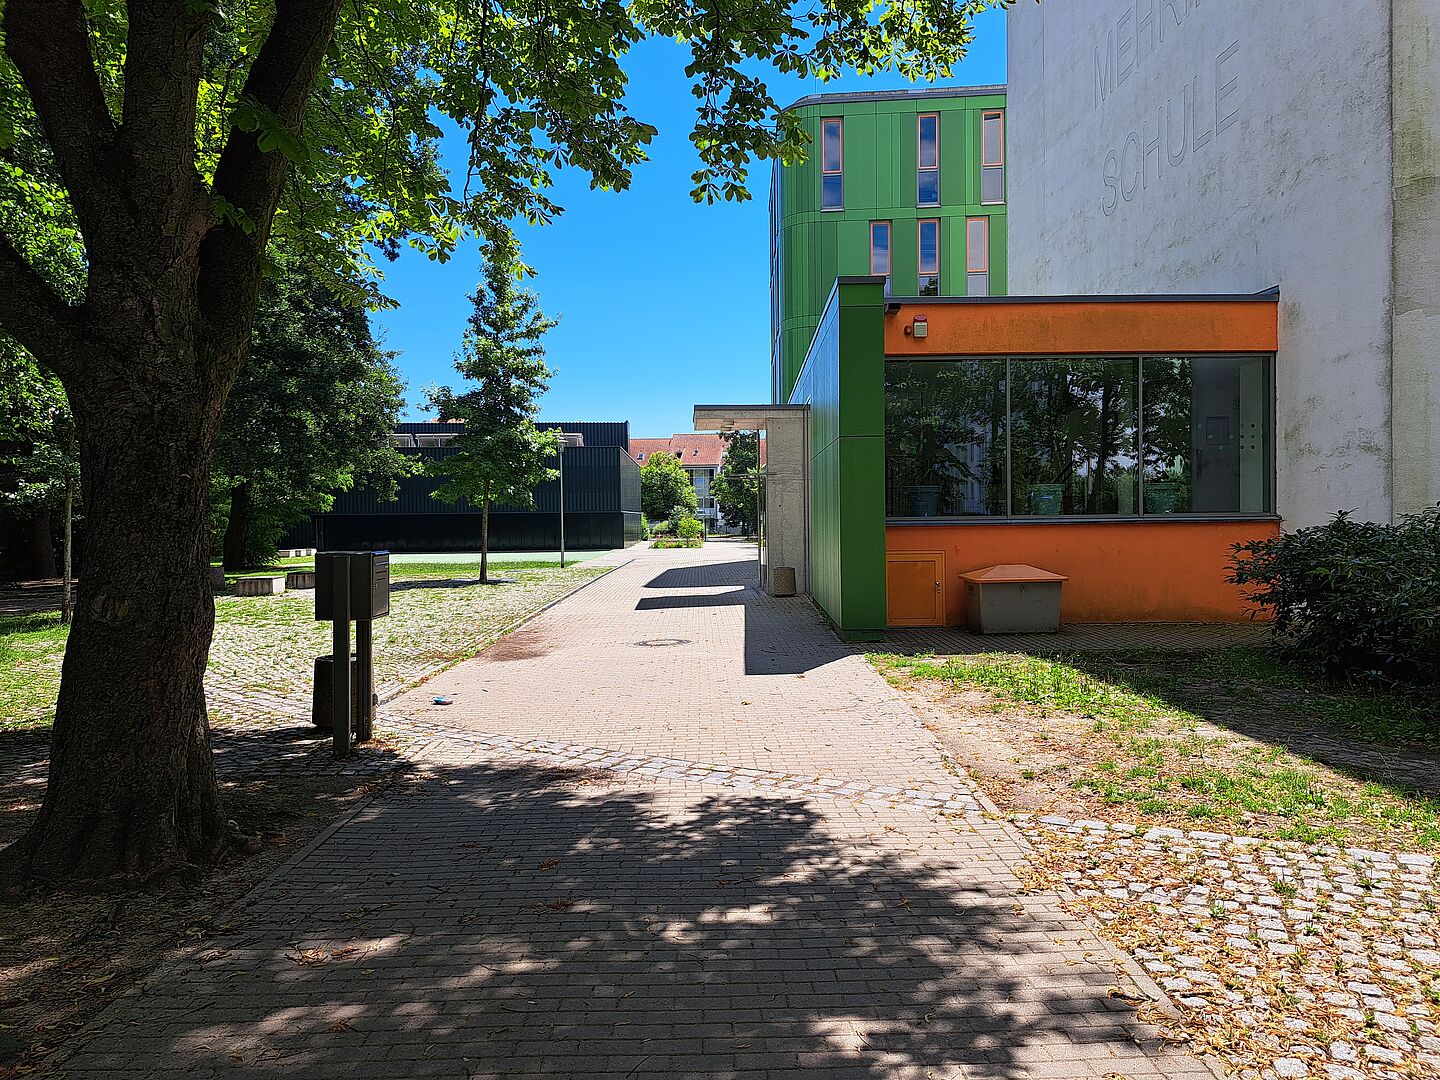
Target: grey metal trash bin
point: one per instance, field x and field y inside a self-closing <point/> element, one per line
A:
<point x="1013" y="598"/>
<point x="321" y="712"/>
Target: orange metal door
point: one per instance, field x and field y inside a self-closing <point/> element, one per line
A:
<point x="915" y="588"/>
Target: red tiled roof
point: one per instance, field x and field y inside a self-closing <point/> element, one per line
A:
<point x="695" y="450"/>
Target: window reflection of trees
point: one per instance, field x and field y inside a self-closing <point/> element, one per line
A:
<point x="945" y="439"/>
<point x="1074" y="437"/>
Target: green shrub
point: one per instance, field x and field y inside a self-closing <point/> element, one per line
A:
<point x="1352" y="597"/>
<point x="689" y="527"/>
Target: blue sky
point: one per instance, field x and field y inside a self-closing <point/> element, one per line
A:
<point x="632" y="274"/>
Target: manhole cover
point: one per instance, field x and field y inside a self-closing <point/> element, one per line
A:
<point x="661" y="642"/>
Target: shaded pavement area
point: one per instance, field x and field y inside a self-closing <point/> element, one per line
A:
<point x="670" y="829"/>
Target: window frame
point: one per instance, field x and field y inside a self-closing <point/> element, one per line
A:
<point x="920" y="255"/>
<point x="985" y="163"/>
<point x="920" y="167"/>
<point x="1140" y="517"/>
<point x="889" y="227"/>
<point x="839" y="170"/>
<point x="984" y="219"/>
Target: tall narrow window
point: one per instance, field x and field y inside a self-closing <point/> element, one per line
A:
<point x="880" y="248"/>
<point x="927" y="157"/>
<point x="929" y="262"/>
<point x="992" y="157"/>
<point x="977" y="256"/>
<point x="832" y="156"/>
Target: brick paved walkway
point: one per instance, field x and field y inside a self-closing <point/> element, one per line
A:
<point x="670" y="829"/>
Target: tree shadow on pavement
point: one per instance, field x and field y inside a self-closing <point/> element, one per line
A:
<point x="517" y="920"/>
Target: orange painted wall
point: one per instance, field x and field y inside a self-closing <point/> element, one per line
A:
<point x="1122" y="572"/>
<point x="1058" y="329"/>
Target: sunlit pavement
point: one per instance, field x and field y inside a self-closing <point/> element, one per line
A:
<point x="671" y="828"/>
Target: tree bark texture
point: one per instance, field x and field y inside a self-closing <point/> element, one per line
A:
<point x="236" y="546"/>
<point x="147" y="359"/>
<point x="132" y="783"/>
<point x="485" y="538"/>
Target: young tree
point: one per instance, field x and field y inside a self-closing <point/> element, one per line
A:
<point x="738" y="482"/>
<point x="176" y="139"/>
<point x="35" y="419"/>
<point x="309" y="415"/>
<point x="499" y="454"/>
<point x="665" y="486"/>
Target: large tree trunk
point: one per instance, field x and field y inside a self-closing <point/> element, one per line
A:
<point x="132" y="784"/>
<point x="236" y="546"/>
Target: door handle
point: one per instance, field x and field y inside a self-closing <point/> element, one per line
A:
<point x="937" y="586"/>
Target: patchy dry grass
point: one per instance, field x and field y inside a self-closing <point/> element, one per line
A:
<point x="1225" y="740"/>
<point x="264" y="646"/>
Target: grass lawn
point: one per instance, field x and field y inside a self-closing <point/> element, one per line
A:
<point x="31" y="650"/>
<point x="264" y="646"/>
<point x="1228" y="741"/>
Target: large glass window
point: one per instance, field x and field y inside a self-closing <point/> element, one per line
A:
<point x="992" y="157"/>
<point x="1206" y="435"/>
<point x="928" y="280"/>
<point x="945" y="439"/>
<point x="1073" y="437"/>
<point x="880" y="248"/>
<point x="1109" y="436"/>
<point x="832" y="165"/>
<point x="927" y="156"/>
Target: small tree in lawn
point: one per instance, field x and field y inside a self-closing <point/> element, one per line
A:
<point x="665" y="487"/>
<point x="499" y="455"/>
<point x="35" y="414"/>
<point x="737" y="485"/>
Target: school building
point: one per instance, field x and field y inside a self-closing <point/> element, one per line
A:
<point x="1211" y="310"/>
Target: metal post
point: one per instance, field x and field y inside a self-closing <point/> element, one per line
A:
<point x="340" y="656"/>
<point x="759" y="503"/>
<point x="364" y="681"/>
<point x="562" y="506"/>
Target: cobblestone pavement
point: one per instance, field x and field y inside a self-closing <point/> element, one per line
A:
<point x="1302" y="960"/>
<point x="623" y="859"/>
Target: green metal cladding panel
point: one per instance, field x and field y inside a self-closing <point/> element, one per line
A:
<point x="843" y="382"/>
<point x="814" y="246"/>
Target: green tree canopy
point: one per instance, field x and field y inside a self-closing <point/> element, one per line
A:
<point x="499" y="455"/>
<point x="738" y="481"/>
<point x="163" y="145"/>
<point x="664" y="487"/>
<point x="310" y="414"/>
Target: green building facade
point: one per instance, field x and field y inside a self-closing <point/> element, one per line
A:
<point x="904" y="158"/>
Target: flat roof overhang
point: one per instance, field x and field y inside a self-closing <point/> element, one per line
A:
<point x="1083" y="325"/>
<point x="743" y="417"/>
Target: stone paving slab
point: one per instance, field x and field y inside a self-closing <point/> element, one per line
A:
<point x="1081" y="638"/>
<point x="961" y="797"/>
<point x="521" y="911"/>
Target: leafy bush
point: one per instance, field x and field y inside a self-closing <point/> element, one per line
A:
<point x="1351" y="596"/>
<point x="689" y="527"/>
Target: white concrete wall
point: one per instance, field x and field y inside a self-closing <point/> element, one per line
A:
<point x="1225" y="146"/>
<point x="1415" y="81"/>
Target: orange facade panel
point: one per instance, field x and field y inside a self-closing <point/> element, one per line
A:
<point x="1118" y="572"/>
<point x="1081" y="327"/>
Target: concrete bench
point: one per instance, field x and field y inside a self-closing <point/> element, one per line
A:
<point x="260" y="586"/>
<point x="300" y="579"/>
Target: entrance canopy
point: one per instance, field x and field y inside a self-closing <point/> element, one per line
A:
<point x="785" y="533"/>
<point x="744" y="417"/>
